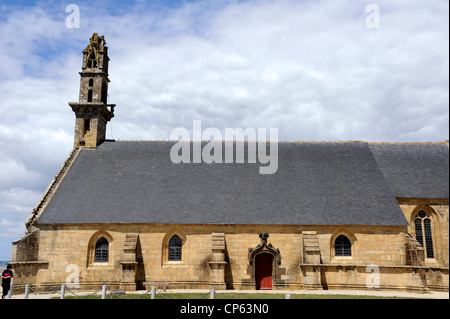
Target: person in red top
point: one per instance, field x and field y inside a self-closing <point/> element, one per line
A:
<point x="7" y="274"/>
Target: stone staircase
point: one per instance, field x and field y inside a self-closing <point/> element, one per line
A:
<point x="311" y="248"/>
<point x="415" y="253"/>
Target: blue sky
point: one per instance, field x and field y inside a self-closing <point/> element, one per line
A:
<point x="312" y="69"/>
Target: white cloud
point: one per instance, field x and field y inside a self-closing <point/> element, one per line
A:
<point x="264" y="64"/>
<point x="15" y="206"/>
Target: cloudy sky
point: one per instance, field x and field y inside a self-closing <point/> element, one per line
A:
<point x="316" y="70"/>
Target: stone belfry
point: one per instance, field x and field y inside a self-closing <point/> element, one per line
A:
<point x="92" y="111"/>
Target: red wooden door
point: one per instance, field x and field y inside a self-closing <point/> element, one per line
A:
<point x="263" y="271"/>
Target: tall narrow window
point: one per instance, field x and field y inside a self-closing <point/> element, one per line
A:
<point x="424" y="233"/>
<point x="175" y="244"/>
<point x="342" y="246"/>
<point x="91" y="82"/>
<point x="89" y="96"/>
<point x="419" y="233"/>
<point x="428" y="238"/>
<point x="87" y="125"/>
<point x="101" y="250"/>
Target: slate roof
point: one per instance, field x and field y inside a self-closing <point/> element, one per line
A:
<point x="415" y="169"/>
<point x="316" y="184"/>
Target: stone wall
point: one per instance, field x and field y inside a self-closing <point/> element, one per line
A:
<point x="67" y="250"/>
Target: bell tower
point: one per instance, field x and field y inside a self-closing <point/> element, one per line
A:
<point x="92" y="111"/>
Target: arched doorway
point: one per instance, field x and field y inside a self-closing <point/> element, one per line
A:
<point x="263" y="271"/>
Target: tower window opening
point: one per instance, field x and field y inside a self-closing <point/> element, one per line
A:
<point x="89" y="96"/>
<point x="104" y="97"/>
<point x="87" y="125"/>
<point x="91" y="82"/>
<point x="92" y="61"/>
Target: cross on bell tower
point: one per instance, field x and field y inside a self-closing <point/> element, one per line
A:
<point x="92" y="111"/>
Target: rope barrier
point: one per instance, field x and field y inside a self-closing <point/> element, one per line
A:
<point x="208" y="293"/>
<point x="120" y="297"/>
<point x="212" y="293"/>
<point x="45" y="293"/>
<point x="88" y="295"/>
<point x="217" y="294"/>
<point x="159" y="292"/>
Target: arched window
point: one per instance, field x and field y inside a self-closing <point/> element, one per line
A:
<point x="424" y="233"/>
<point x="91" y="82"/>
<point x="175" y="244"/>
<point x="342" y="246"/>
<point x="101" y="250"/>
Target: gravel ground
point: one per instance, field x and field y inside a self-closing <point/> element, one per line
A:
<point x="383" y="293"/>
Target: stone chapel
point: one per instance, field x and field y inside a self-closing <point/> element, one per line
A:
<point x="349" y="214"/>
